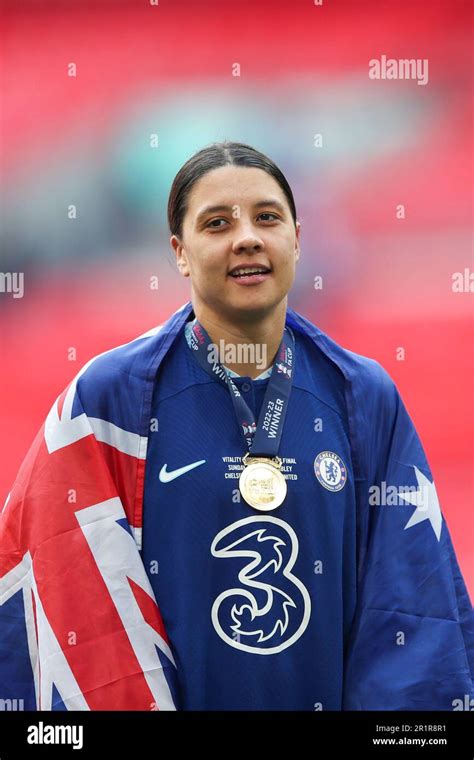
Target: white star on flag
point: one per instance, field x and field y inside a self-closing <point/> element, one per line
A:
<point x="425" y="499"/>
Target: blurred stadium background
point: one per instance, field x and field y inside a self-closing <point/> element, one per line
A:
<point x="167" y="69"/>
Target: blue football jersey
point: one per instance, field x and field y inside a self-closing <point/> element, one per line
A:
<point x="257" y="606"/>
<point x="348" y="596"/>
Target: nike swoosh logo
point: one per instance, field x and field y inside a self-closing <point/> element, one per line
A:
<point x="166" y="476"/>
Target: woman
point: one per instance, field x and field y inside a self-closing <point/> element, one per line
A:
<point x="257" y="456"/>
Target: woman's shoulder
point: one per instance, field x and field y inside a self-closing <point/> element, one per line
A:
<point x="360" y="372"/>
<point x="124" y="373"/>
<point x="118" y="375"/>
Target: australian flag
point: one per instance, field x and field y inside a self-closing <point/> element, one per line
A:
<point x="80" y="628"/>
<point x="79" y="625"/>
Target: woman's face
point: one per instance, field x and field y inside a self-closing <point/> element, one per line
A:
<point x="253" y="225"/>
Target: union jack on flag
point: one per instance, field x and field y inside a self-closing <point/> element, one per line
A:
<point x="79" y="625"/>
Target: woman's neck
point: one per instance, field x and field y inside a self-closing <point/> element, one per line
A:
<point x="246" y="346"/>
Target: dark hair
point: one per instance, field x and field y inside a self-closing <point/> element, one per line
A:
<point x="213" y="157"/>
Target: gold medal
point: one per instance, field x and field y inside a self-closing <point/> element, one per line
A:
<point x="261" y="483"/>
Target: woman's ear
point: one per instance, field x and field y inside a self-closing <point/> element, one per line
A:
<point x="297" y="243"/>
<point x="181" y="256"/>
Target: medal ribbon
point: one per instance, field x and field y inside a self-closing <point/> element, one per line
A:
<point x="262" y="437"/>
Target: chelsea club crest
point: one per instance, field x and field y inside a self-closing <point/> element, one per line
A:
<point x="330" y="470"/>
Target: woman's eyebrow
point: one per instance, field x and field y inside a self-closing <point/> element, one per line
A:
<point x="222" y="207"/>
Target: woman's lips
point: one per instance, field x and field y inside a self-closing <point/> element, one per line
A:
<point x="251" y="279"/>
